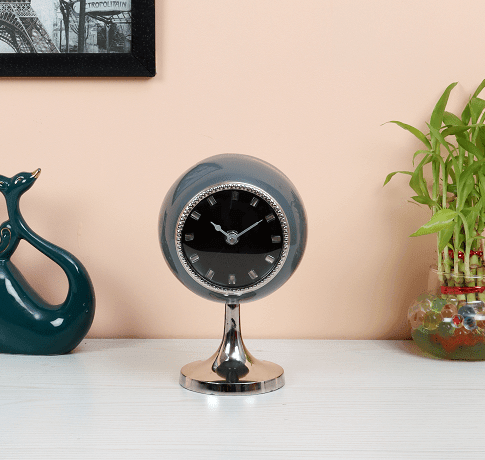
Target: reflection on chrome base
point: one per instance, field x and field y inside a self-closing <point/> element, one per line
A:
<point x="232" y="369"/>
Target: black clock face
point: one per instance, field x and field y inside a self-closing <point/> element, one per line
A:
<point x="232" y="238"/>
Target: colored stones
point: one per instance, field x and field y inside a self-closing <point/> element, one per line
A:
<point x="448" y="311"/>
<point x="478" y="306"/>
<point x="416" y="319"/>
<point x="446" y="330"/>
<point x="426" y="300"/>
<point x="431" y="320"/>
<point x="450" y="325"/>
<point x="426" y="297"/>
<point x="414" y="308"/>
<point x="452" y="300"/>
<point x="480" y="319"/>
<point x="457" y="321"/>
<point x="468" y="314"/>
<point x="469" y="323"/>
<point x="424" y="305"/>
<point x="438" y="304"/>
<point x="426" y="312"/>
<point x="466" y="310"/>
<point x="461" y="332"/>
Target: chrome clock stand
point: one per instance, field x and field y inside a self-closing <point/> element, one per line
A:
<point x="232" y="369"/>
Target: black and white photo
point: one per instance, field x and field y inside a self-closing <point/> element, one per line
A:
<point x="65" y="26"/>
<point x="77" y="38"/>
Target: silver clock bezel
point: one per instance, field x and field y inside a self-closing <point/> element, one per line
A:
<point x="218" y="188"/>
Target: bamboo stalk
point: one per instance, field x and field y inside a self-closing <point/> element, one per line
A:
<point x="480" y="274"/>
<point x="460" y="278"/>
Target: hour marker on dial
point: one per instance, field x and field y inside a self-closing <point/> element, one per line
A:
<point x="189" y="236"/>
<point x="275" y="238"/>
<point x="270" y="217"/>
<point x="254" y="202"/>
<point x="212" y="201"/>
<point x="209" y="274"/>
<point x="194" y="258"/>
<point x="253" y="274"/>
<point x="235" y="196"/>
<point x="269" y="258"/>
<point x="232" y="279"/>
<point x="195" y="215"/>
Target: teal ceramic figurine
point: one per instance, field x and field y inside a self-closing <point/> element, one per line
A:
<point x="28" y="325"/>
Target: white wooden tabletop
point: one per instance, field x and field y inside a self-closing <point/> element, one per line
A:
<point x="120" y="399"/>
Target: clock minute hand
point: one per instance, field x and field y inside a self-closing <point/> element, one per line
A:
<point x="219" y="229"/>
<point x="249" y="228"/>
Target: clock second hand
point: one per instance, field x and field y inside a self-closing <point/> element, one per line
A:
<point x="249" y="228"/>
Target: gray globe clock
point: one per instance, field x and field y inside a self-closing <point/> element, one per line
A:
<point x="232" y="229"/>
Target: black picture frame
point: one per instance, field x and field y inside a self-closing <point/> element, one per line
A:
<point x="140" y="62"/>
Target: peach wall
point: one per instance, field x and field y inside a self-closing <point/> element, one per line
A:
<point x="305" y="86"/>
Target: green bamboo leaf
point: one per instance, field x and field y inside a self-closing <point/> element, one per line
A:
<point x="481" y="134"/>
<point x="444" y="237"/>
<point x="391" y="175"/>
<point x="466" y="183"/>
<point x="471" y="216"/>
<point x="425" y="200"/>
<point x="477" y="106"/>
<point x="452" y="166"/>
<point x="466" y="114"/>
<point x="464" y="192"/>
<point x="441" y="220"/>
<point x="469" y="147"/>
<point x="439" y="137"/>
<point x="421" y="152"/>
<point x="417" y="181"/>
<point x="481" y="183"/>
<point x="439" y="109"/>
<point x="470" y="171"/>
<point x="479" y="89"/>
<point x="450" y="119"/>
<point x="414" y="131"/>
<point x="479" y="143"/>
<point x="475" y="238"/>
<point x="452" y="186"/>
<point x="459" y="240"/>
<point x="453" y="130"/>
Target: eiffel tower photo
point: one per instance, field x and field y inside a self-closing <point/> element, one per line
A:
<point x="22" y="30"/>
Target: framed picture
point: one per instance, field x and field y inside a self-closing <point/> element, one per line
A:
<point x="41" y="38"/>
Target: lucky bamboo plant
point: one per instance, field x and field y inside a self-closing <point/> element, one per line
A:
<point x="453" y="160"/>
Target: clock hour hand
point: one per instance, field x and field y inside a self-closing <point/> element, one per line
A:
<point x="249" y="228"/>
<point x="219" y="229"/>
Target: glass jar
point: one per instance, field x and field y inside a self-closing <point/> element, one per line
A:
<point x="448" y="321"/>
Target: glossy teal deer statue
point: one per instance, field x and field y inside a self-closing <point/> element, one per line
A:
<point x="28" y="325"/>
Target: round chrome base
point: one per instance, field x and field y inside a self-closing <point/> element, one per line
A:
<point x="262" y="377"/>
<point x="232" y="369"/>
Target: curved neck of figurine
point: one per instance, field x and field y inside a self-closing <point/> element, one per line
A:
<point x="78" y="279"/>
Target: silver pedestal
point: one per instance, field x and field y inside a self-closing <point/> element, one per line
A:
<point x="232" y="369"/>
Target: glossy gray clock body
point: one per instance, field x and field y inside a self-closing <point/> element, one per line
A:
<point x="231" y="168"/>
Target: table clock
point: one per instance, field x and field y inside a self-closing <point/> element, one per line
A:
<point x="232" y="229"/>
